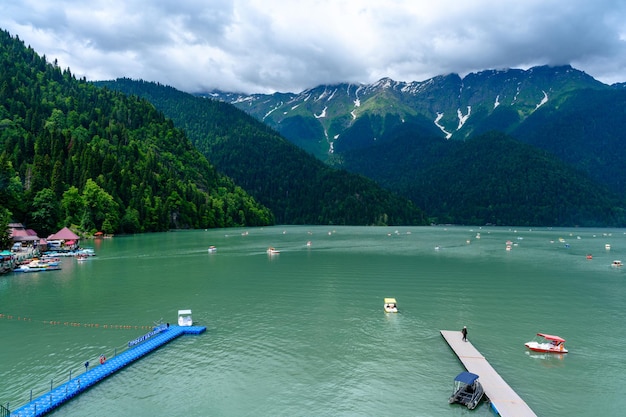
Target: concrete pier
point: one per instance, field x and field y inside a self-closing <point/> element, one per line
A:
<point x="504" y="400"/>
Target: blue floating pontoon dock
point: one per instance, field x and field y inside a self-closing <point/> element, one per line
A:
<point x="65" y="392"/>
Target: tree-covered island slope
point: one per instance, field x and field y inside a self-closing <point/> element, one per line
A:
<point x="75" y="154"/>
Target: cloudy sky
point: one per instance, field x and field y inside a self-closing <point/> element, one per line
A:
<point x="289" y="45"/>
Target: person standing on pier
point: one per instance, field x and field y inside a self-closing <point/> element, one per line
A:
<point x="464" y="332"/>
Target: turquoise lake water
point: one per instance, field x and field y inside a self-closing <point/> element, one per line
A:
<point x="303" y="333"/>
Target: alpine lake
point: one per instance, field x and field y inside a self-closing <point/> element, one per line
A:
<point x="303" y="332"/>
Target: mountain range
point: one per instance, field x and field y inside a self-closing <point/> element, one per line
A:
<point x="398" y="132"/>
<point x="535" y="147"/>
<point x="327" y="118"/>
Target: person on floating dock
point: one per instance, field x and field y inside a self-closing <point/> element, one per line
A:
<point x="464" y="331"/>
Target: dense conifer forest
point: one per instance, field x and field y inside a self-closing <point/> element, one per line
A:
<point x="489" y="179"/>
<point x="73" y="154"/>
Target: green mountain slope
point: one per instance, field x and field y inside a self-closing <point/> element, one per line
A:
<point x="498" y="180"/>
<point x="397" y="133"/>
<point x="491" y="178"/>
<point x="586" y="129"/>
<point x="320" y="118"/>
<point x="74" y="154"/>
<point x="296" y="186"/>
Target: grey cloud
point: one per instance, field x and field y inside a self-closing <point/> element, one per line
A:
<point x="264" y="46"/>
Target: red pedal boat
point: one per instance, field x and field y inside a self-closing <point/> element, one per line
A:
<point x="548" y="344"/>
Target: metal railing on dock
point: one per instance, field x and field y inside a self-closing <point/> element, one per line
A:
<point x="64" y="392"/>
<point x="504" y="401"/>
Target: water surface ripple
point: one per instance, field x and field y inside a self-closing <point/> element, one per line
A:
<point x="303" y="333"/>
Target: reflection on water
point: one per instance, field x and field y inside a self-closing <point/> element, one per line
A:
<point x="548" y="359"/>
<point x="303" y="332"/>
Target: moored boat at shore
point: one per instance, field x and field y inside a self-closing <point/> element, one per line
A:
<point x="184" y="318"/>
<point x="36" y="268"/>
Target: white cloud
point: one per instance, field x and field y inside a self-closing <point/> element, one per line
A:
<point x="270" y="45"/>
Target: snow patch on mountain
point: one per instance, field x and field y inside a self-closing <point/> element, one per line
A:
<point x="416" y="87"/>
<point x="357" y="100"/>
<point x="321" y="115"/>
<point x="384" y="83"/>
<point x="441" y="127"/>
<point x="463" y="118"/>
<point x="272" y="110"/>
<point x="543" y="101"/>
<point x="242" y="99"/>
<point x="322" y="96"/>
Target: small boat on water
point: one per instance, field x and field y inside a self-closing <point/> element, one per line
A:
<point x="38" y="265"/>
<point x="548" y="344"/>
<point x="184" y="318"/>
<point x="212" y="249"/>
<point x="272" y="251"/>
<point x="616" y="263"/>
<point x="390" y="306"/>
<point x="467" y="390"/>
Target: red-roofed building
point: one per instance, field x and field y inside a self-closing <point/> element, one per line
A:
<point x="64" y="234"/>
<point x="64" y="238"/>
<point x="20" y="234"/>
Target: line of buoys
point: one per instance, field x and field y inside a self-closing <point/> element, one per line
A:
<point x="10" y="317"/>
<point x="105" y="326"/>
<point x="77" y="324"/>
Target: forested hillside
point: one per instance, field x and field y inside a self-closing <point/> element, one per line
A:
<point x="586" y="130"/>
<point x="520" y="185"/>
<point x="75" y="154"/>
<point x="297" y="187"/>
<point x="489" y="179"/>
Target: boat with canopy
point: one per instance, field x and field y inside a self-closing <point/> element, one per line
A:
<point x="548" y="344"/>
<point x="467" y="390"/>
<point x="390" y="306"/>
